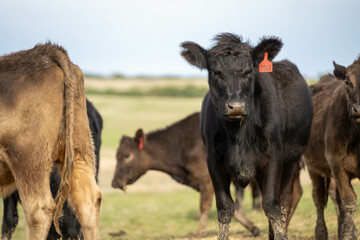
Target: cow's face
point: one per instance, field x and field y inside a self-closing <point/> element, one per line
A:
<point x="130" y="165"/>
<point x="232" y="68"/>
<point x="351" y="76"/>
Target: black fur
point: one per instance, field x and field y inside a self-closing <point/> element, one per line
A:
<point x="269" y="139"/>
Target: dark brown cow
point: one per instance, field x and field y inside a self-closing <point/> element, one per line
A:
<point x="333" y="149"/>
<point x="178" y="151"/>
<point x="43" y="121"/>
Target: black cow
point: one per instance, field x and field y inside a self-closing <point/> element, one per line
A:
<point x="69" y="225"/>
<point x="255" y="125"/>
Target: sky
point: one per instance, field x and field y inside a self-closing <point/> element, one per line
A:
<point x="142" y="37"/>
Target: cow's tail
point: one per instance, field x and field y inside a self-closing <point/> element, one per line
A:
<point x="62" y="59"/>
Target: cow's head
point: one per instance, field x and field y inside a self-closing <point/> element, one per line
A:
<point x="232" y="67"/>
<point x="130" y="165"/>
<point x="351" y="76"/>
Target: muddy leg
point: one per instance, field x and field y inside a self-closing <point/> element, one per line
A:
<point x="85" y="198"/>
<point x="347" y="207"/>
<point x="10" y="217"/>
<point x="239" y="214"/>
<point x="271" y="184"/>
<point x="347" y="197"/>
<point x="224" y="203"/>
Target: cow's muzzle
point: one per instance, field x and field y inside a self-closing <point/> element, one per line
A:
<point x="116" y="184"/>
<point x="235" y="110"/>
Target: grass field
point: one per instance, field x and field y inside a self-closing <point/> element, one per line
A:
<point x="156" y="207"/>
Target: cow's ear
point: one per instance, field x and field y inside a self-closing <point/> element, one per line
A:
<point x="194" y="54"/>
<point x="271" y="45"/>
<point x="140" y="138"/>
<point x="339" y="71"/>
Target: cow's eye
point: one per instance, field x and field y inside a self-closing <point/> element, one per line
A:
<point x="127" y="155"/>
<point x="348" y="83"/>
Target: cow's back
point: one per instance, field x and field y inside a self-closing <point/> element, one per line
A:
<point x="31" y="101"/>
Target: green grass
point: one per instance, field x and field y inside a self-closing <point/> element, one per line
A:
<point x="168" y="215"/>
<point x="172" y="215"/>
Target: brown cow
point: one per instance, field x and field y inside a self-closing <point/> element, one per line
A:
<point x="43" y="121"/>
<point x="333" y="149"/>
<point x="179" y="151"/>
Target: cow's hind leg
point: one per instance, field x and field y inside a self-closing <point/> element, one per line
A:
<point x="319" y="195"/>
<point x="256" y="196"/>
<point x="206" y="198"/>
<point x="38" y="204"/>
<point x="85" y="197"/>
<point x="291" y="192"/>
<point x="10" y="217"/>
<point x="239" y="214"/>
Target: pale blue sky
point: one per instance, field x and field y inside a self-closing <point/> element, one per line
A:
<point x="142" y="37"/>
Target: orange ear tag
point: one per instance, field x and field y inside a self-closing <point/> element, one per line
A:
<point x="265" y="65"/>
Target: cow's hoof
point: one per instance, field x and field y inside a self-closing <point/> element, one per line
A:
<point x="348" y="231"/>
<point x="255" y="231"/>
<point x="321" y="232"/>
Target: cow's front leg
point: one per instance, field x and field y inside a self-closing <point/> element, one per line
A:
<point x="347" y="199"/>
<point x="224" y="203"/>
<point x="271" y="183"/>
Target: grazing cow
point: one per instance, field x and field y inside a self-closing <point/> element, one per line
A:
<point x="177" y="150"/>
<point x="69" y="225"/>
<point x="334" y="145"/>
<point x="43" y="121"/>
<point x="255" y="125"/>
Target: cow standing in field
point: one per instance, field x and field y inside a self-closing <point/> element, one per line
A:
<point x="255" y="125"/>
<point x="68" y="223"/>
<point x="43" y="121"/>
<point x="177" y="150"/>
<point x="334" y="145"/>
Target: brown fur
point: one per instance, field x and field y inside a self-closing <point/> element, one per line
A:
<point x="41" y="97"/>
<point x="333" y="149"/>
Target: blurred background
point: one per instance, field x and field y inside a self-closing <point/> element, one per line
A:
<point x="134" y="75"/>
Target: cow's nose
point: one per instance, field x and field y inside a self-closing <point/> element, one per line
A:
<point x="235" y="109"/>
<point x="115" y="184"/>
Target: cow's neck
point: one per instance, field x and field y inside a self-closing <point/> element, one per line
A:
<point x="249" y="133"/>
<point x="159" y="156"/>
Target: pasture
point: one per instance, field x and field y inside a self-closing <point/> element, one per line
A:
<point x="156" y="207"/>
